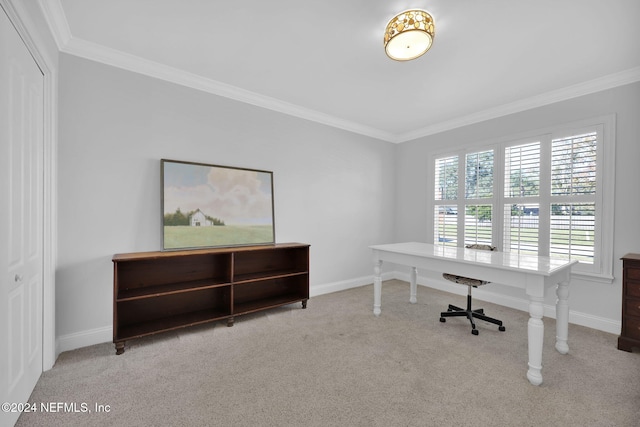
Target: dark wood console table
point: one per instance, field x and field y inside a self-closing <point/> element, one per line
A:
<point x="161" y="291"/>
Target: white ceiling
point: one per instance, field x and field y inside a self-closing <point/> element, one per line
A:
<point x="324" y="60"/>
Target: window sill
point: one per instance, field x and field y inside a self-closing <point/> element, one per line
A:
<point x="592" y="277"/>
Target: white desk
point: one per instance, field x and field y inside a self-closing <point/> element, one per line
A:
<point x="534" y="274"/>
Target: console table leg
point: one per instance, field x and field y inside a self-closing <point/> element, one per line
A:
<point x="304" y="303"/>
<point x="230" y="322"/>
<point x="413" y="286"/>
<point x="119" y="347"/>
<point x="562" y="318"/>
<point x="377" y="288"/>
<point x="536" y="337"/>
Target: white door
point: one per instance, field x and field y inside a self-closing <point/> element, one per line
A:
<point x="21" y="220"/>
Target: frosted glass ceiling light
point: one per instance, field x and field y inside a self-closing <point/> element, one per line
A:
<point x="409" y="35"/>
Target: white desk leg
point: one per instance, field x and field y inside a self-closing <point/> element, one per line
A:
<point x="536" y="336"/>
<point x="377" y="287"/>
<point x="562" y="318"/>
<point x="413" y="286"/>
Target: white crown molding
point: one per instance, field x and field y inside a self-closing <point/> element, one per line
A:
<point x="58" y="24"/>
<point x="119" y="59"/>
<point x="29" y="33"/>
<point x="596" y="85"/>
<point x="56" y="19"/>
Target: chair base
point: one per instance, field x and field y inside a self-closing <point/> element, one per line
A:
<point x="470" y="314"/>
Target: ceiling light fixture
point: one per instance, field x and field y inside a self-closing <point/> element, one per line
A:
<point x="409" y="35"/>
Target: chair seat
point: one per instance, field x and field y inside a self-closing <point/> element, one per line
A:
<point x="469" y="313"/>
<point x="464" y="280"/>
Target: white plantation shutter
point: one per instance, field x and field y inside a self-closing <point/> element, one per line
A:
<point x="522" y="170"/>
<point x="573" y="185"/>
<point x="446" y="225"/>
<point x="522" y="197"/>
<point x="522" y="228"/>
<point x="479" y="175"/>
<point x="572" y="232"/>
<point x="446" y="170"/>
<point x="446" y="191"/>
<point x="574" y="164"/>
<point x="478" y="195"/>
<point x="478" y="227"/>
<point x="544" y="194"/>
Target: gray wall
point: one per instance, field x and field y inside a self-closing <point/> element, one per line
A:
<point x="588" y="298"/>
<point x="333" y="189"/>
<point x="336" y="190"/>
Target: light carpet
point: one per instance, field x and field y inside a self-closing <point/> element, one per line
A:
<point x="335" y="364"/>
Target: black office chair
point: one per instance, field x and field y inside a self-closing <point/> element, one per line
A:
<point x="470" y="314"/>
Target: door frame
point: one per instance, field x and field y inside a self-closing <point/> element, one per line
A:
<point x="33" y="39"/>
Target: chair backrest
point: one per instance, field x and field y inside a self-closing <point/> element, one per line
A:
<point x="482" y="247"/>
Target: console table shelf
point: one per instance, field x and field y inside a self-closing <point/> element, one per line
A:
<point x="253" y="306"/>
<point x="142" y="329"/>
<point x="240" y="278"/>
<point x="161" y="291"/>
<point x="172" y="288"/>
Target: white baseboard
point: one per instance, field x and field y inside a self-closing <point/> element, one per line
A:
<point x="83" y="339"/>
<point x="328" y="288"/>
<point x="595" y="322"/>
<point x="105" y="334"/>
<point x="522" y="304"/>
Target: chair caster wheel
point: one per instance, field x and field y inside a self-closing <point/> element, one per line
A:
<point x="502" y="328"/>
<point x="474" y="331"/>
<point x="442" y="319"/>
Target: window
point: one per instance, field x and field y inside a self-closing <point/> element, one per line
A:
<point x="476" y="201"/>
<point x="478" y="192"/>
<point x="522" y="197"/>
<point x="446" y="190"/>
<point x="544" y="194"/>
<point x="573" y="196"/>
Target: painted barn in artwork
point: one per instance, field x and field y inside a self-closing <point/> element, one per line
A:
<point x="198" y="219"/>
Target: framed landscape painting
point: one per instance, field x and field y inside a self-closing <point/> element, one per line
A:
<point x="207" y="206"/>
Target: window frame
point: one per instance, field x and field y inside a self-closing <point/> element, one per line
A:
<point x="602" y="268"/>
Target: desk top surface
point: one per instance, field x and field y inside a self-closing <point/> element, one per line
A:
<point x="502" y="260"/>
